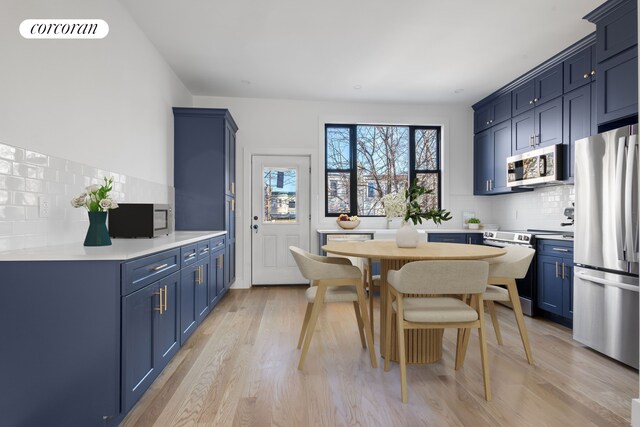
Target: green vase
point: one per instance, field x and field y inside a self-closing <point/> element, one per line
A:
<point x="97" y="234"/>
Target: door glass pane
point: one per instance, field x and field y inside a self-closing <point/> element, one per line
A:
<point x="280" y="195"/>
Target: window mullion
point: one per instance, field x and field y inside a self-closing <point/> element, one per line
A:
<point x="353" y="200"/>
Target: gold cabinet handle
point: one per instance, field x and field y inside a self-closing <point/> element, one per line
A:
<point x="563" y="270"/>
<point x="593" y="72"/>
<point x="233" y="188"/>
<point x="159" y="308"/>
<point x="556" y="268"/>
<point x="220" y="262"/>
<point x="586" y="76"/>
<point x="160" y="267"/>
<point x="165" y="298"/>
<point x="233" y="205"/>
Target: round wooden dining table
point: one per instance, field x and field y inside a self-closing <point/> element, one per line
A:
<point x="422" y="345"/>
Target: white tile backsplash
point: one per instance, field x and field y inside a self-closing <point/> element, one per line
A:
<point x="542" y="208"/>
<point x="26" y="175"/>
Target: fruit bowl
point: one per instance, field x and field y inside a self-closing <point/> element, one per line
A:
<point x="348" y="225"/>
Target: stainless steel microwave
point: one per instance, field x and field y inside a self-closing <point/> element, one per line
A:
<point x="537" y="167"/>
<point x="140" y="220"/>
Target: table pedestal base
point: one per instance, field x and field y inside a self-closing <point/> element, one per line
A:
<point x="421" y="345"/>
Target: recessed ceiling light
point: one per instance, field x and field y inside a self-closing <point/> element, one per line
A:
<point x="458" y="91"/>
<point x="245" y="82"/>
<point x="357" y="87"/>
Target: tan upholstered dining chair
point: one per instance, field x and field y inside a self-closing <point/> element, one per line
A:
<point x="332" y="280"/>
<point x="447" y="279"/>
<point x="503" y="271"/>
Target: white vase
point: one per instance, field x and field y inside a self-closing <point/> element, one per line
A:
<point x="394" y="223"/>
<point x="407" y="236"/>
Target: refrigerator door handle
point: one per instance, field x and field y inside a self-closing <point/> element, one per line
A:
<point x="619" y="199"/>
<point x="631" y="212"/>
<point x="606" y="282"/>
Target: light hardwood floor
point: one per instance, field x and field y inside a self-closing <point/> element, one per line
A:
<point x="240" y="369"/>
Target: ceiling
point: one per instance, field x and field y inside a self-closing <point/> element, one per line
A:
<point x="403" y="51"/>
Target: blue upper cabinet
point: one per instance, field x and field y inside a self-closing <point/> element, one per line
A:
<point x="537" y="128"/>
<point x="577" y="124"/>
<point x="617" y="57"/>
<point x="483" y="153"/>
<point x="491" y="149"/>
<point x="542" y="88"/>
<point x="616" y="27"/>
<point x="579" y="69"/>
<point x="494" y="112"/>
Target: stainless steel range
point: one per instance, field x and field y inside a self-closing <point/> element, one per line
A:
<point x="526" y="286"/>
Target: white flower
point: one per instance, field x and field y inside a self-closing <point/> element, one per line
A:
<point x="80" y="201"/>
<point x="93" y="188"/>
<point x="114" y="205"/>
<point x="105" y="203"/>
<point x="395" y="205"/>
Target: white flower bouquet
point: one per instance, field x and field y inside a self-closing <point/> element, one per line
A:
<point x="96" y="197"/>
<point x="395" y="205"/>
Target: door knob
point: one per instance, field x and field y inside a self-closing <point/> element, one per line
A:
<point x="255" y="227"/>
<point x="255" y="218"/>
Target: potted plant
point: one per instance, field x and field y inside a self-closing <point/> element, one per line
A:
<point x="474" y="223"/>
<point x="97" y="202"/>
<point x="413" y="214"/>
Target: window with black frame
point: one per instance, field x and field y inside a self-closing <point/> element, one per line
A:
<point x="365" y="162"/>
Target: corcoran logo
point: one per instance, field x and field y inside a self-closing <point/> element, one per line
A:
<point x="64" y="29"/>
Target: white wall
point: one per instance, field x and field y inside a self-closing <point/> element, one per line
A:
<point x="72" y="111"/>
<point x="105" y="102"/>
<point x="297" y="127"/>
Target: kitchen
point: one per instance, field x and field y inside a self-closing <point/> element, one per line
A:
<point x="128" y="83"/>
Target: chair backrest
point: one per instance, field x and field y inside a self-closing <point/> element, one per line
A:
<point x="514" y="264"/>
<point x="316" y="267"/>
<point x="441" y="277"/>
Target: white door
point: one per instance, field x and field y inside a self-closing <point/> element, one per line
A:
<point x="279" y="217"/>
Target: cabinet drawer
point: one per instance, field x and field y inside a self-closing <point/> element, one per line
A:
<point x="448" y="237"/>
<point x="204" y="249"/>
<point x="188" y="255"/>
<point x="556" y="248"/>
<point x="217" y="243"/>
<point x="141" y="272"/>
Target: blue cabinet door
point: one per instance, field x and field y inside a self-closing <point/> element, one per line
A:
<point x="202" y="290"/>
<point x="522" y="97"/>
<point x="483" y="157"/>
<point x="167" y="339"/>
<point x="140" y="362"/>
<point x="501" y="150"/>
<point x="522" y="132"/>
<point x="577" y="124"/>
<point x="221" y="275"/>
<point x="617" y="30"/>
<point x="213" y="284"/>
<point x="188" y="314"/>
<point x="579" y="69"/>
<point x="550" y="284"/>
<point x="492" y="113"/>
<point x="618" y="87"/>
<point x="548" y="123"/>
<point x="548" y="85"/>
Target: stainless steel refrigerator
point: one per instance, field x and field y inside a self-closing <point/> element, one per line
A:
<point x="605" y="289"/>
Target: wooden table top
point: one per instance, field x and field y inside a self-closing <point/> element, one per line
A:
<point x="387" y="249"/>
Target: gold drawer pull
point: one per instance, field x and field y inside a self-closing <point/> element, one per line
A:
<point x="159" y="308"/>
<point x="160" y="267"/>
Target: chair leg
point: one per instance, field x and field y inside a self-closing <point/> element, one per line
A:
<point x="466" y="333"/>
<point x="371" y="307"/>
<point x="459" y="339"/>
<point x="484" y="353"/>
<point x="360" y="325"/>
<point x="387" y="331"/>
<point x="517" y="311"/>
<point x="317" y="305"/>
<point x="494" y="319"/>
<point x="305" y="322"/>
<point x="401" y="350"/>
<point x="365" y="320"/>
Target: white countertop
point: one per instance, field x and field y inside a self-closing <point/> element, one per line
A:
<point x="120" y="250"/>
<point x="554" y="237"/>
<point x="393" y="230"/>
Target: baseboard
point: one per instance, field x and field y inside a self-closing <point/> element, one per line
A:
<point x="635" y="412"/>
<point x="240" y="284"/>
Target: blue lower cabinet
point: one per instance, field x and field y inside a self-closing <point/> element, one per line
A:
<point x="150" y="335"/>
<point x="193" y="298"/>
<point x="555" y="285"/>
<point x="469" y="238"/>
